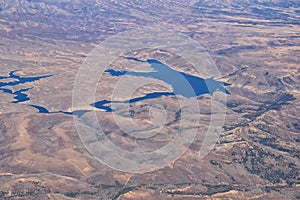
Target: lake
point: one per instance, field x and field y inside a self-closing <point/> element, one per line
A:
<point x="19" y="95"/>
<point x="183" y="84"/>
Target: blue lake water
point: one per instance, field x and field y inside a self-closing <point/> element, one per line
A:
<point x="44" y="110"/>
<point x="41" y="109"/>
<point x="19" y="95"/>
<point x="102" y="104"/>
<point x="183" y="84"/>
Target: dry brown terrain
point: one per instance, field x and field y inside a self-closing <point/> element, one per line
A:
<point x="256" y="46"/>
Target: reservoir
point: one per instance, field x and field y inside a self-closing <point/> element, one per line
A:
<point x="19" y="95"/>
<point x="183" y="84"/>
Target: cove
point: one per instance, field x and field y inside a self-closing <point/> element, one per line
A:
<point x="44" y="110"/>
<point x="19" y="95"/>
